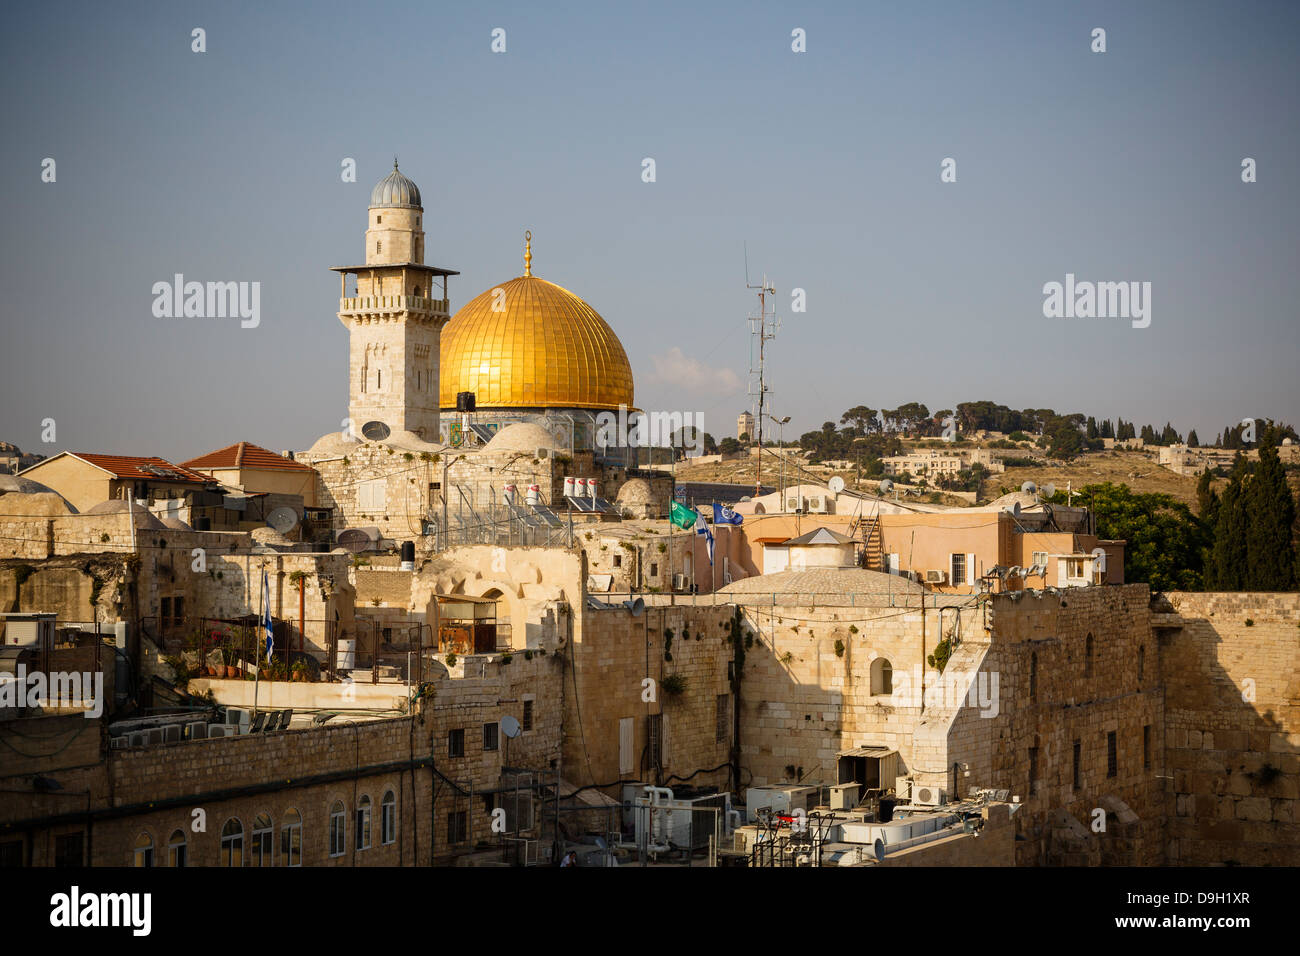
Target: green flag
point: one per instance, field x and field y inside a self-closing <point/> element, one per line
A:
<point x="682" y="516"/>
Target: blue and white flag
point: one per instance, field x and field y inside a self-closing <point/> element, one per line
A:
<point x="702" y="528"/>
<point x="724" y="515"/>
<point x="266" y="616"/>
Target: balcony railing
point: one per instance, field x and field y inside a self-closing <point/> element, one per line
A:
<point x="393" y="303"/>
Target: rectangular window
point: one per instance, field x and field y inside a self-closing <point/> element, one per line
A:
<point x="178" y="610"/>
<point x="363" y="828"/>
<point x="166" y="612"/>
<point x="457" y="826"/>
<point x="958" y="569"/>
<point x="1040" y="558"/>
<point x="1112" y="756"/>
<point x="456" y="743"/>
<point x="338" y="832"/>
<point x="528" y="716"/>
<point x="654" y="570"/>
<point x="67" y="850"/>
<point x="1078" y="753"/>
<point x="291" y="845"/>
<point x="655" y="738"/>
<point x="1033" y="770"/>
<point x="372" y="495"/>
<point x="1146" y="747"/>
<point x="491" y="736"/>
<point x="722" y="729"/>
<point x="625" y="733"/>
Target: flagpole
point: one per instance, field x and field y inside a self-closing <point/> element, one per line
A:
<point x="257" y="669"/>
<point x="672" y="497"/>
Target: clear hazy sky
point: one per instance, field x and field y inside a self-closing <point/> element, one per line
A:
<point x="225" y="165"/>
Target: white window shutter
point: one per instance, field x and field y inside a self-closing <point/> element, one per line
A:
<point x="970" y="568"/>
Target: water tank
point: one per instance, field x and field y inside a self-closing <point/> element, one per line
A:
<point x="347" y="654"/>
<point x="508" y="494"/>
<point x="408" y="556"/>
<point x="569" y="485"/>
<point x="591" y="487"/>
<point x="534" y="495"/>
<point x="580" y="488"/>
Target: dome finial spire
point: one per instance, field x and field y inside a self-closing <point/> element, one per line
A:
<point x="528" y="252"/>
<point x="394" y="160"/>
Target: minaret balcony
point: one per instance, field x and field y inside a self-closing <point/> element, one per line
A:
<point x="379" y="304"/>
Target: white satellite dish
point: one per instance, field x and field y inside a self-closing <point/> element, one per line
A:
<point x="1015" y="509"/>
<point x="1029" y="487"/>
<point x="836" y="485"/>
<point x="1049" y="489"/>
<point x="886" y="486"/>
<point x="509" y="726"/>
<point x="283" y="520"/>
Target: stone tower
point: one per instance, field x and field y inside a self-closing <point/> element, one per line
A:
<point x="394" y="318"/>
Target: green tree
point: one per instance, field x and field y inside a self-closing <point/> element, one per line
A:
<point x="1166" y="542"/>
<point x="1192" y="440"/>
<point x="1269" y="520"/>
<point x="1227" y="565"/>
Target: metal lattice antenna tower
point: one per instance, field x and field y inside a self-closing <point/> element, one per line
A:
<point x="762" y="327"/>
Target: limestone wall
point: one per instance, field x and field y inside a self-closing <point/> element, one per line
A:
<point x="1231" y="665"/>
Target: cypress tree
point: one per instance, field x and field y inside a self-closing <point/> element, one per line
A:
<point x="1207" y="500"/>
<point x="1270" y="515"/>
<point x="1227" y="570"/>
<point x="1192" y="440"/>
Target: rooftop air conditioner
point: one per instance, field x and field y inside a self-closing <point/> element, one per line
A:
<point x="936" y="576"/>
<point x="172" y="733"/>
<point x="816" y="504"/>
<point x="903" y="788"/>
<point x="542" y="453"/>
<point x="196" y="730"/>
<point x="927" y="796"/>
<point x="138" y="739"/>
<point x="120" y="743"/>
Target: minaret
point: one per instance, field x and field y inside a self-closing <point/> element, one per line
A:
<point x="395" y="318"/>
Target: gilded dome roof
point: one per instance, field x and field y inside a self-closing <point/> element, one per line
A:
<point x="547" y="348"/>
<point x="395" y="190"/>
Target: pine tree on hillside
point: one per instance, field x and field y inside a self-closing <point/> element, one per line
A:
<point x="1192" y="440"/>
<point x="1270" y="516"/>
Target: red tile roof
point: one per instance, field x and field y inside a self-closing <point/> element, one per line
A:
<point x="245" y="454"/>
<point x="139" y="469"/>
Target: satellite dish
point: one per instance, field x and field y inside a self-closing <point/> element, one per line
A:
<point x="283" y="520"/>
<point x="510" y="726"/>
<point x="746" y="498"/>
<point x="375" y="430"/>
<point x="836" y="485"/>
<point x="1029" y="487"/>
<point x="1049" y="489"/>
<point x="355" y="540"/>
<point x="886" y="486"/>
<point x="878" y="849"/>
<point x="1015" y="509"/>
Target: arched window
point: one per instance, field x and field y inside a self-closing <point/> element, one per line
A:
<point x="1142" y="661"/>
<point x="882" y="677"/>
<point x="232" y="843"/>
<point x="263" y="841"/>
<point x="363" y="823"/>
<point x="388" y="818"/>
<point x="1033" y="676"/>
<point x="338" y="828"/>
<point x="1087" y="657"/>
<point x="291" y="839"/>
<point x="177" y="848"/>
<point x="418" y="293"/>
<point x="143" y="850"/>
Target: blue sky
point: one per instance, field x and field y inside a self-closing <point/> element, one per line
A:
<point x="225" y="166"/>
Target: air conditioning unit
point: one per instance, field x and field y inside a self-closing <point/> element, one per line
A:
<point x="793" y="504"/>
<point x="815" y="505"/>
<point x="679" y="582"/>
<point x="223" y="730"/>
<point x="172" y="733"/>
<point x="120" y="743"/>
<point x="903" y="788"/>
<point x="196" y="730"/>
<point x="936" y="577"/>
<point x="138" y="739"/>
<point x="927" y="796"/>
<point x="239" y="717"/>
<point x="844" y="796"/>
<point x="542" y="453"/>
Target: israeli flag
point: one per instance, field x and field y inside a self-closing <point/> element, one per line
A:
<point x="266" y="616"/>
<point x="724" y="515"/>
<point x="702" y="528"/>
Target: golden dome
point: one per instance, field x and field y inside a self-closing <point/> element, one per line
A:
<point x="547" y="348"/>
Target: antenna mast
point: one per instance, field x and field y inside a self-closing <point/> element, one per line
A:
<point x="763" y="326"/>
